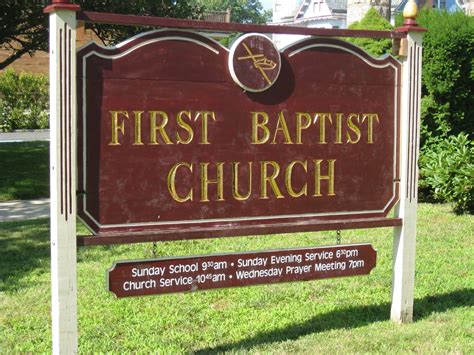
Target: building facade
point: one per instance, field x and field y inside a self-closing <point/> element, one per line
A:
<point x="307" y="13"/>
<point x="341" y="13"/>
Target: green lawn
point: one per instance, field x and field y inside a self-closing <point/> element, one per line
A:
<point x="24" y="170"/>
<point x="338" y="315"/>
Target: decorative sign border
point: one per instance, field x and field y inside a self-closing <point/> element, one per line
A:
<point x="92" y="49"/>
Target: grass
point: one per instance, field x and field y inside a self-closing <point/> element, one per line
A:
<point x="24" y="170"/>
<point x="346" y="315"/>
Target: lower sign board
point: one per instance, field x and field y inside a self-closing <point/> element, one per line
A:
<point x="168" y="275"/>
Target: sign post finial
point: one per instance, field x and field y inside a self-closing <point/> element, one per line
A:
<point x="410" y="12"/>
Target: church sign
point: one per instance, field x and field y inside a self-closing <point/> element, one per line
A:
<point x="176" y="132"/>
<point x="169" y="135"/>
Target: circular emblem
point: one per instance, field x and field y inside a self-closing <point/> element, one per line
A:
<point x="254" y="62"/>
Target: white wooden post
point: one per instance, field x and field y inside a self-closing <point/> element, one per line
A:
<point x="404" y="244"/>
<point x="62" y="77"/>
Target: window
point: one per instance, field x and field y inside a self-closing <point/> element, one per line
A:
<point x="439" y="4"/>
<point x="317" y="4"/>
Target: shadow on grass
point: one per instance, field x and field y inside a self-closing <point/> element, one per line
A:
<point x="24" y="247"/>
<point x="351" y="317"/>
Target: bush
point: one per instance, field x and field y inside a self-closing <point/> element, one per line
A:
<point x="448" y="74"/>
<point x="24" y="101"/>
<point x="447" y="168"/>
<point x="373" y="21"/>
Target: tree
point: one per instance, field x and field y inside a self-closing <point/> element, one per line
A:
<point x="241" y="11"/>
<point x="373" y="21"/>
<point x="24" y="26"/>
<point x="23" y="29"/>
<point x="357" y="8"/>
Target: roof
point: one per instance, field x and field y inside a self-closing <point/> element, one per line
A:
<point x="338" y="5"/>
<point x="397" y="5"/>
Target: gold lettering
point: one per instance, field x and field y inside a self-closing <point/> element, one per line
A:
<point x="204" y="124"/>
<point x="158" y="127"/>
<point x="354" y="128"/>
<point x="235" y="182"/>
<point x="318" y="177"/>
<point x="288" y="174"/>
<point x="262" y="125"/>
<point x="338" y="128"/>
<point x="370" y="131"/>
<point x="269" y="179"/>
<point x="300" y="125"/>
<point x="205" y="181"/>
<point x="138" y="127"/>
<point x="185" y="126"/>
<point x="322" y="125"/>
<point x="281" y="126"/>
<point x="116" y="126"/>
<point x="172" y="183"/>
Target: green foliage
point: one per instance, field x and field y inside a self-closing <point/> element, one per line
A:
<point x="447" y="112"/>
<point x="112" y="34"/>
<point x="373" y="21"/>
<point x="448" y="74"/>
<point x="241" y="11"/>
<point x="24" y="101"/>
<point x="447" y="168"/>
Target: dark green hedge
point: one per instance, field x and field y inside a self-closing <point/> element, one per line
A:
<point x="24" y="101"/>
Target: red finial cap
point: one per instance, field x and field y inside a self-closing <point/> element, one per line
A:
<point x="61" y="5"/>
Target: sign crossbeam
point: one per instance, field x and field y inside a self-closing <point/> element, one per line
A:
<point x="229" y="231"/>
<point x="133" y="20"/>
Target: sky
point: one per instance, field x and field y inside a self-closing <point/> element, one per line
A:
<point x="267" y="4"/>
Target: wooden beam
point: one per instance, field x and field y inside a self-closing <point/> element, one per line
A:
<point x="149" y="21"/>
<point x="232" y="231"/>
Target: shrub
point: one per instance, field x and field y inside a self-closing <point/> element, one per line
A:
<point x="448" y="74"/>
<point x="373" y="21"/>
<point x="24" y="101"/>
<point x="447" y="168"/>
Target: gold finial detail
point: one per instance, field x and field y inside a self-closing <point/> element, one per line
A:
<point x="410" y="11"/>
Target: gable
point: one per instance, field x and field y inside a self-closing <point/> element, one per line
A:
<point x="315" y="8"/>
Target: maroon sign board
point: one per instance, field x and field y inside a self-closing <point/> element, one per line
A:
<point x="194" y="273"/>
<point x="174" y="135"/>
